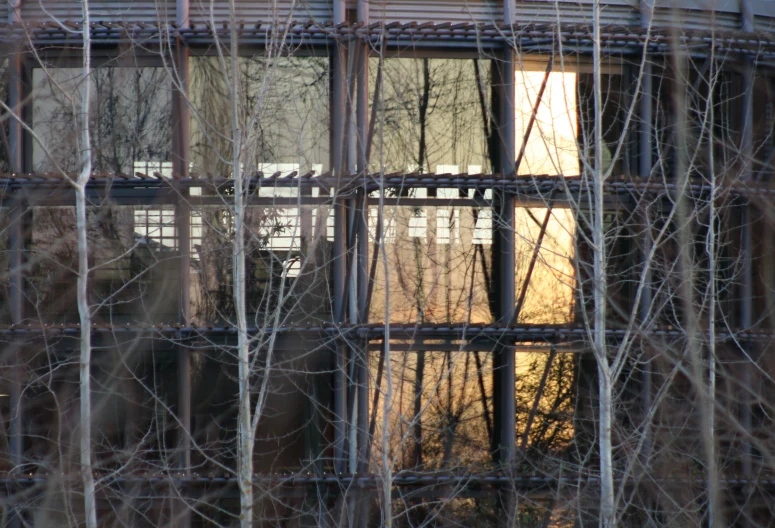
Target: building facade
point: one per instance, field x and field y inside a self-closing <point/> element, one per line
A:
<point x="452" y="262"/>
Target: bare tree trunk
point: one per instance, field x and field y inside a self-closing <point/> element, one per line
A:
<point x="87" y="475"/>
<point x="607" y="505"/>
<point x="245" y="430"/>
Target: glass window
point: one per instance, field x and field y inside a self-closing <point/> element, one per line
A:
<point x="551" y="147"/>
<point x="432" y="116"/>
<point x="129" y="119"/>
<point x="283" y="113"/>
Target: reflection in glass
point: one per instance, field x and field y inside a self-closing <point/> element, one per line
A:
<point x="441" y="410"/>
<point x="133" y="258"/>
<point x="551" y="147"/>
<point x="283" y="114"/>
<point x="286" y="260"/>
<point x="431" y="115"/>
<point x="441" y="269"/>
<point x="129" y="119"/>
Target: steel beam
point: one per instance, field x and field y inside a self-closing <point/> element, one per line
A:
<point x="16" y="235"/>
<point x="180" y="165"/>
<point x="504" y="439"/>
<point x="19" y="157"/>
<point x="362" y="250"/>
<point x="17" y="89"/>
<point x="504" y="364"/>
<point x="746" y="290"/>
<point x="182" y="13"/>
<point x="180" y="156"/>
<point x="645" y="167"/>
<point x="509" y="8"/>
<point x="504" y="248"/>
<point x="14" y="11"/>
<point x="646" y="123"/>
<point x="339" y="257"/>
<point x="646" y="13"/>
<point x="469" y="39"/>
<point x="747" y="15"/>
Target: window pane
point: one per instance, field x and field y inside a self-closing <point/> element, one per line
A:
<point x="551" y="147"/>
<point x="129" y="119"/>
<point x="283" y="111"/>
<point x="431" y="115"/>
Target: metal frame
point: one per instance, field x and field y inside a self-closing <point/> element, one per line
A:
<point x="351" y="332"/>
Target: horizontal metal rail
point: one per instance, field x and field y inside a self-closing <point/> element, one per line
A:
<point x="371" y="481"/>
<point x="614" y="39"/>
<point x="55" y="189"/>
<point x="522" y="333"/>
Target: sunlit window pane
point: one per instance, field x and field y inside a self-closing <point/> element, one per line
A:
<point x="551" y="148"/>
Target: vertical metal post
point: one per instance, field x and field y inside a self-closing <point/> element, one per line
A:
<point x="646" y="132"/>
<point x="339" y="257"/>
<point x="504" y="256"/>
<point x="646" y="13"/>
<point x="16" y="93"/>
<point x="746" y="13"/>
<point x="362" y="122"/>
<point x="20" y="160"/>
<point x="644" y="312"/>
<point x="504" y="439"/>
<point x="181" y="116"/>
<point x="182" y="13"/>
<point x="180" y="158"/>
<point x="645" y="166"/>
<point x="509" y="12"/>
<point x="362" y="366"/>
<point x="14" y="11"/>
<point x="746" y="290"/>
<point x="180" y="168"/>
<point x="16" y="234"/>
<point x="629" y="154"/>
